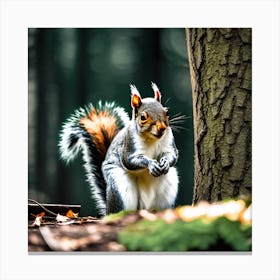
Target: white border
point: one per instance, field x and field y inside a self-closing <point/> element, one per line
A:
<point x="17" y="16"/>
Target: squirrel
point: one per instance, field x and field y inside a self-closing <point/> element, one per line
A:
<point x="130" y="164"/>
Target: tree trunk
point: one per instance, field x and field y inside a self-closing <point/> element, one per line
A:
<point x="221" y="72"/>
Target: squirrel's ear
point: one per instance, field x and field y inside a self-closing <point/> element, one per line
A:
<point x="135" y="97"/>
<point x="156" y="92"/>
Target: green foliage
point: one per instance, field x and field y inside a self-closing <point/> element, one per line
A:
<point x="116" y="216"/>
<point x="199" y="234"/>
<point x="234" y="234"/>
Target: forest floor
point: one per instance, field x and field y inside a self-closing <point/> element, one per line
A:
<point x="78" y="234"/>
<point x="220" y="226"/>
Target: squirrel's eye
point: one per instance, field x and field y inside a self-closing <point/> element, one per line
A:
<point x="144" y="116"/>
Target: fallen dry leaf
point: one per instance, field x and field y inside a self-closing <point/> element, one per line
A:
<point x="71" y="214"/>
<point x="38" y="220"/>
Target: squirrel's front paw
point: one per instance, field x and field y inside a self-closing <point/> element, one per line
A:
<point x="154" y="168"/>
<point x="164" y="165"/>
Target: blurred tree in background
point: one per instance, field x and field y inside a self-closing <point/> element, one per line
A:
<point x="70" y="67"/>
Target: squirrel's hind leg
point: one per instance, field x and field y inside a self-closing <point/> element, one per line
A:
<point x="167" y="189"/>
<point x="121" y="192"/>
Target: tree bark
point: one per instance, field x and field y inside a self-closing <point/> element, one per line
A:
<point x="221" y="73"/>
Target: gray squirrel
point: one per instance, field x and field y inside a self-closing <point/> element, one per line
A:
<point x="129" y="163"/>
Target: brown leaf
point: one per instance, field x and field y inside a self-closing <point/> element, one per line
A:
<point x="71" y="214"/>
<point x="38" y="220"/>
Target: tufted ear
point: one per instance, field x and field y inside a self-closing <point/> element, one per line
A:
<point x="156" y="92"/>
<point x="136" y="100"/>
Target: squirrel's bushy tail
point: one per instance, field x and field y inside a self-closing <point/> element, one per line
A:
<point x="91" y="130"/>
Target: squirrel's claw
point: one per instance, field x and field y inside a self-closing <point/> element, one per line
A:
<point x="154" y="168"/>
<point x="164" y="165"/>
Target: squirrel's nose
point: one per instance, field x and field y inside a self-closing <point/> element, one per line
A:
<point x="161" y="126"/>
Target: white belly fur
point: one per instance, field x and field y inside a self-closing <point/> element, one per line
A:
<point x="156" y="192"/>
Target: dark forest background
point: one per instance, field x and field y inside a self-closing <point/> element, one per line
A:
<point x="70" y="67"/>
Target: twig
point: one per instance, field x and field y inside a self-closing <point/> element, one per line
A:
<point x="49" y="211"/>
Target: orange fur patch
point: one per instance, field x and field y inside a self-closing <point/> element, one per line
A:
<point x="102" y="129"/>
<point x="135" y="101"/>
